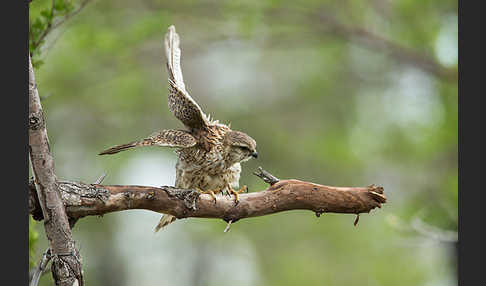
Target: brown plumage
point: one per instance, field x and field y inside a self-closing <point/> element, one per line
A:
<point x="169" y="138"/>
<point x="209" y="152"/>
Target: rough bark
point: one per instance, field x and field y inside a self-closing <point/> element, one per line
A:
<point x="83" y="200"/>
<point x="66" y="265"/>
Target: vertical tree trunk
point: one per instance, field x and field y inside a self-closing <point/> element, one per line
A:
<point x="66" y="265"/>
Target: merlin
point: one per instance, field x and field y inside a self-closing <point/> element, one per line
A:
<point x="209" y="152"/>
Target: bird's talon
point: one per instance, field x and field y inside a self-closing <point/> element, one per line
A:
<point x="237" y="194"/>
<point x="242" y="190"/>
<point x="209" y="192"/>
<point x="237" y="199"/>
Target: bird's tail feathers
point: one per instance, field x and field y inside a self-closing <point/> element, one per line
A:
<point x="164" y="221"/>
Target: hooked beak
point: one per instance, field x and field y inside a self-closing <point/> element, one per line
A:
<point x="254" y="154"/>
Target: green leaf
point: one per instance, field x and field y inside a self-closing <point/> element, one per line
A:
<point x="69" y="7"/>
<point x="37" y="63"/>
<point x="38" y="24"/>
<point x="59" y="5"/>
<point x="46" y="14"/>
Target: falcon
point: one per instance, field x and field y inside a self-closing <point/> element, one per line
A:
<point x="209" y="152"/>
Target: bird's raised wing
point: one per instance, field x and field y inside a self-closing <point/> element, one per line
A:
<point x="180" y="102"/>
<point x="165" y="138"/>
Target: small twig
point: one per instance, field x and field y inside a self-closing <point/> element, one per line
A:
<point x="44" y="97"/>
<point x="266" y="176"/>
<point x="100" y="179"/>
<point x="46" y="257"/>
<point x="356" y="220"/>
<point x="52" y="9"/>
<point x="68" y="16"/>
<point x="51" y="26"/>
<point x="375" y="42"/>
<point x="228" y="226"/>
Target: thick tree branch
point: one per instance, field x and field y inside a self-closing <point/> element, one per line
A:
<point x="83" y="200"/>
<point x="66" y="265"/>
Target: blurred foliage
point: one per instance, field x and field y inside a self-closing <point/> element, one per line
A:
<point x="33" y="238"/>
<point x="326" y="90"/>
<point x="43" y="20"/>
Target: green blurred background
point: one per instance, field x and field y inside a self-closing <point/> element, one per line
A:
<point x="343" y="93"/>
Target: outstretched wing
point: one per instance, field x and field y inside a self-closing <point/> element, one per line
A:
<point x="165" y="138"/>
<point x="180" y="102"/>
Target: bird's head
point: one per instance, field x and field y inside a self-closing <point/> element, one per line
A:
<point x="241" y="146"/>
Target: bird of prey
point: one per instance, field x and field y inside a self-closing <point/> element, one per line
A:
<point x="209" y="152"/>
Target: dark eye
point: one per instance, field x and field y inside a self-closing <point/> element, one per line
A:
<point x="244" y="148"/>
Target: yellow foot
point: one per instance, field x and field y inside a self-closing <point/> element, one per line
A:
<point x="211" y="192"/>
<point x="237" y="193"/>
